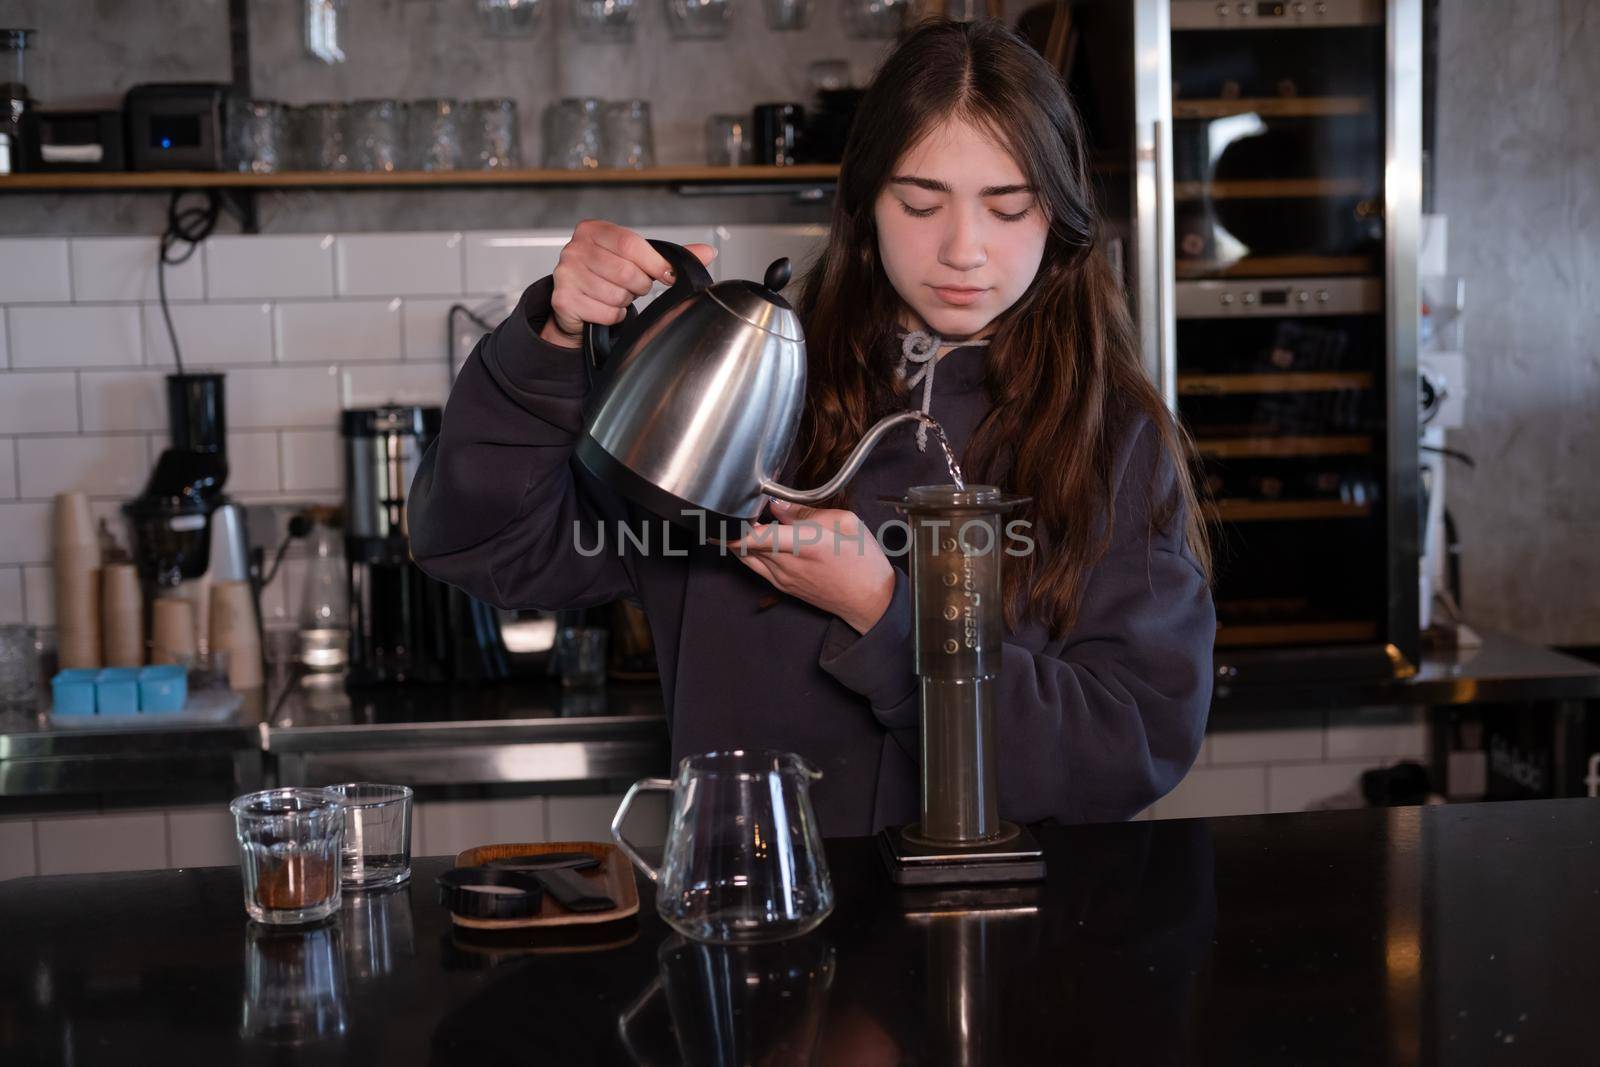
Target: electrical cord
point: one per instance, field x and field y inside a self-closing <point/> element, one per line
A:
<point x="188" y="226"/>
<point x="450" y="335"/>
<point x="1452" y="454"/>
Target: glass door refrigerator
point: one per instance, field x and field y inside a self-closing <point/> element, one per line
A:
<point x="1265" y="192"/>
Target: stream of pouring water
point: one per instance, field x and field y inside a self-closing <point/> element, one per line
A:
<point x="949" y="456"/>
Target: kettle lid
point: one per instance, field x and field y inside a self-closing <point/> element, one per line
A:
<point x="760" y="307"/>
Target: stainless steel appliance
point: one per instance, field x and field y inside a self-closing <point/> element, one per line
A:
<point x="1264" y="196"/>
<point x="700" y="399"/>
<point x="399" y="617"/>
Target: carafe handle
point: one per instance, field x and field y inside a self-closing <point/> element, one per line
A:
<point x="660" y="784"/>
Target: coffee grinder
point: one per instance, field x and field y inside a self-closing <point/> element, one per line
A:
<point x="956" y="556"/>
<point x="399" y="617"/>
<point x="186" y="533"/>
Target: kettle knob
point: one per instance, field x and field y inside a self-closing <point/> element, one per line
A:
<point x="777" y="275"/>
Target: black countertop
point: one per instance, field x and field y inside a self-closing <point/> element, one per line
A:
<point x="1449" y="934"/>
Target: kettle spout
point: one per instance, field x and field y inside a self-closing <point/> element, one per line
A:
<point x="851" y="464"/>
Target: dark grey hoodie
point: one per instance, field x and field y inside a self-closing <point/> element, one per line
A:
<point x="1091" y="728"/>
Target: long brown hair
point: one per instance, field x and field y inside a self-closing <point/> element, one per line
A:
<point x="1062" y="369"/>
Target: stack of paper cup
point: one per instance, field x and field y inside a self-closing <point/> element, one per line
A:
<point x="172" y="631"/>
<point x="234" y="631"/>
<point x="77" y="581"/>
<point x="121" y="615"/>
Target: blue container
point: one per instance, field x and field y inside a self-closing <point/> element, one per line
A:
<point x="73" y="691"/>
<point x="116" y="691"/>
<point x="163" y="688"/>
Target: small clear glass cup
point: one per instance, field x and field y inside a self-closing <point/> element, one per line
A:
<point x="571" y="132"/>
<point x="728" y="141"/>
<point x="376" y="852"/>
<point x="375" y="134"/>
<point x="494" y="142"/>
<point x="289" y="842"/>
<point x="434" y="134"/>
<point x="582" y="652"/>
<point x="258" y="136"/>
<point x="19" y="666"/>
<point x="625" y="136"/>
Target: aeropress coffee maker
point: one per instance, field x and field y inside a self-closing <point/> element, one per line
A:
<point x="956" y="556"/>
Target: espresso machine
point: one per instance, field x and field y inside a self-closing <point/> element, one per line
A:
<point x="187" y="534"/>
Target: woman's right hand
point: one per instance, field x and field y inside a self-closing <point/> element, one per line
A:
<point x="602" y="270"/>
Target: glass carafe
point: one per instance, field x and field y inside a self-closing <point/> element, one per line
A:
<point x="325" y="603"/>
<point x="743" y="859"/>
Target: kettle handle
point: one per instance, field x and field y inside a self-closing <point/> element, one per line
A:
<point x="600" y="338"/>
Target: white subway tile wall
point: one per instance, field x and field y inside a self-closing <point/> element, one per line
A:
<point x="8" y="469"/>
<point x="34" y="270"/>
<point x="17" y="856"/>
<point x="399" y="264"/>
<point x="124" y="268"/>
<point x="81" y="335"/>
<point x="209" y="335"/>
<point x="269" y="268"/>
<point x="330" y="332"/>
<point x="11" y="606"/>
<point x="38" y="594"/>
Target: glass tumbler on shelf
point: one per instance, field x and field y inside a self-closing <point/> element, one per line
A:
<point x="19" y="667"/>
<point x="582" y="653"/>
<point x="787" y="14"/>
<point x="873" y="18"/>
<point x="494" y="142"/>
<point x="509" y="18"/>
<point x="374" y="134"/>
<point x="603" y="21"/>
<point x="571" y="131"/>
<point x="728" y="141"/>
<point x="322" y="133"/>
<point x="376" y="852"/>
<point x="433" y="134"/>
<point x="258" y="136"/>
<point x="289" y="843"/>
<point x="698" y="18"/>
<point x="625" y="136"/>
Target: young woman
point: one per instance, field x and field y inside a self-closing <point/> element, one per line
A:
<point x="963" y="275"/>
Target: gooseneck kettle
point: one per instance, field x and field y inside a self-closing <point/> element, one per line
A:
<point x="697" y="399"/>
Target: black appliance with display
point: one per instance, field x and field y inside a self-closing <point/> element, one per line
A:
<point x="175" y="126"/>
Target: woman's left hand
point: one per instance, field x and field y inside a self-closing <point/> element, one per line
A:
<point x="825" y="557"/>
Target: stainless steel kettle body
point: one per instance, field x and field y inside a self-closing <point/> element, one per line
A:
<point x="699" y="399"/>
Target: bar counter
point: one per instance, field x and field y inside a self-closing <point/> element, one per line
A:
<point x="1445" y="934"/>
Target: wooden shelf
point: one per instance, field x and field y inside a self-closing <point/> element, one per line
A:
<point x="1285" y="107"/>
<point x="324" y="179"/>
<point x="1253" y="447"/>
<point x="1271" y="189"/>
<point x="1309" y="382"/>
<point x="1295" y="633"/>
<point x="1284" y="510"/>
<point x="1276" y="266"/>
